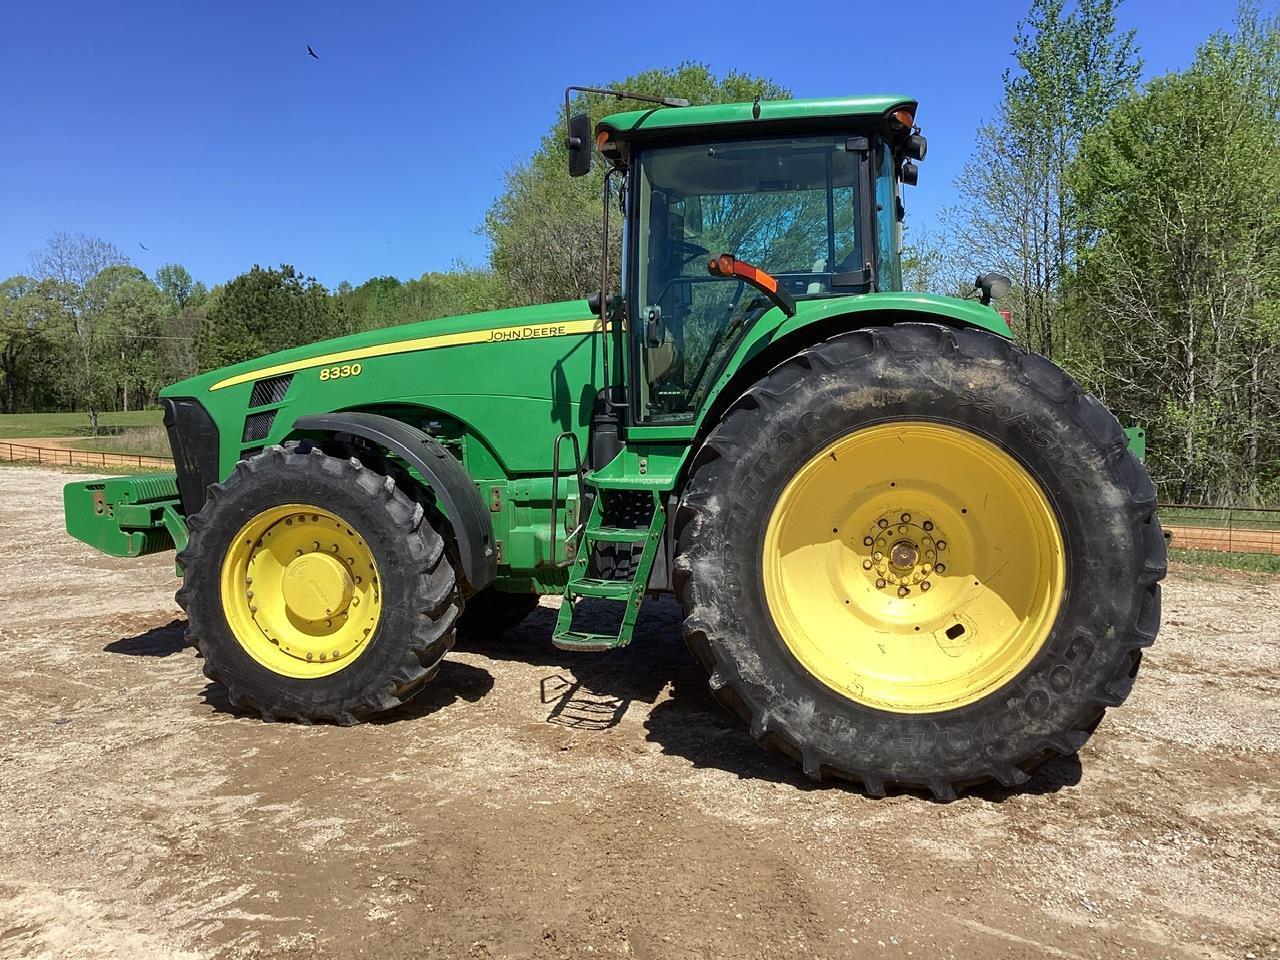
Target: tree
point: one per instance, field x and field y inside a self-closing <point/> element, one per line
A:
<point x="74" y="260"/>
<point x="544" y="227"/>
<point x="1015" y="211"/>
<point x="1179" y="197"/>
<point x="265" y="310"/>
<point x="131" y="329"/>
<point x="176" y="284"/>
<point x="30" y="311"/>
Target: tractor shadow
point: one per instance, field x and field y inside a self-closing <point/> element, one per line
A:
<point x="592" y="692"/>
<point x="156" y="642"/>
<point x="455" y="682"/>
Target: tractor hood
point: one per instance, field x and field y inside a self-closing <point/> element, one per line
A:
<point x="509" y="380"/>
<point x="515" y="323"/>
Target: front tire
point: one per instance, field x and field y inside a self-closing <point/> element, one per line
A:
<point x="921" y="557"/>
<point x="315" y="589"/>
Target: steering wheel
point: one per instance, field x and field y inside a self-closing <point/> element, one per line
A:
<point x="689" y="250"/>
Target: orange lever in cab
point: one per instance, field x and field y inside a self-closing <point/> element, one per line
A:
<point x="727" y="265"/>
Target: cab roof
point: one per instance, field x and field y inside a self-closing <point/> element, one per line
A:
<point x="635" y="124"/>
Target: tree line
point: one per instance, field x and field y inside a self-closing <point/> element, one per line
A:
<point x="1139" y="223"/>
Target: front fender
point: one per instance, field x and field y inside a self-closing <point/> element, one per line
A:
<point x="452" y="486"/>
<point x="769" y="344"/>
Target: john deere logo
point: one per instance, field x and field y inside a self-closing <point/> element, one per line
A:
<point x="527" y="333"/>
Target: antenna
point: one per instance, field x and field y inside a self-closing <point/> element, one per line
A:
<point x="620" y="95"/>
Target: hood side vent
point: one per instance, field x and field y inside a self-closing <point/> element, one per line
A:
<point x="271" y="390"/>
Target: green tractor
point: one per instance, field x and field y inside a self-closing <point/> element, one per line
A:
<point x="909" y="553"/>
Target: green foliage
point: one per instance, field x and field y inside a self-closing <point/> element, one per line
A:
<point x="31" y="317"/>
<point x="179" y="289"/>
<point x="544" y="226"/>
<point x="1015" y="212"/>
<point x="1179" y="196"/>
<point x="387" y="302"/>
<point x="263" y="311"/>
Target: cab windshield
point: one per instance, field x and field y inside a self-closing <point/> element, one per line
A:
<point x="788" y="206"/>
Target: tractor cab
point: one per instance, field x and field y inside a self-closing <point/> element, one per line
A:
<point x="732" y="210"/>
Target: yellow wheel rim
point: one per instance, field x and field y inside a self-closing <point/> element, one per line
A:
<point x="300" y="591"/>
<point x="913" y="567"/>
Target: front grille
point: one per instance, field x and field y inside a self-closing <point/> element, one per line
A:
<point x="257" y="426"/>
<point x="193" y="437"/>
<point x="271" y="390"/>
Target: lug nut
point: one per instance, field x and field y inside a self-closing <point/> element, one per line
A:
<point x="867" y="541"/>
<point x="942" y="544"/>
<point x="877" y="555"/>
<point x="880" y="583"/>
<point x="925" y="585"/>
<point x="928" y="524"/>
<point x="882" y="522"/>
<point x="866" y="564"/>
<point x="941" y="568"/>
<point x="903" y="591"/>
<point x="906" y="518"/>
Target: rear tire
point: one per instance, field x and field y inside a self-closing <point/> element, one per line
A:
<point x="957" y="382"/>
<point x="416" y="590"/>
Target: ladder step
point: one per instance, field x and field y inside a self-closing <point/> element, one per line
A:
<point x="595" y="587"/>
<point x="618" y="534"/>
<point x="587" y="642"/>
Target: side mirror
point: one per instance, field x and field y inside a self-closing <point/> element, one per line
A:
<point x="579" y="144"/>
<point x="910" y="174"/>
<point x="993" y="286"/>
<point x="917" y="146"/>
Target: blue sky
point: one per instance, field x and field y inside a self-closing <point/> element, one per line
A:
<point x="206" y="133"/>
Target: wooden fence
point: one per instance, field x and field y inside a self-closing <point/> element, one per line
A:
<point x="1224" y="529"/>
<point x="1188" y="526"/>
<point x="25" y="453"/>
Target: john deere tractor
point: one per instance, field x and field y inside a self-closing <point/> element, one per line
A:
<point x="909" y="552"/>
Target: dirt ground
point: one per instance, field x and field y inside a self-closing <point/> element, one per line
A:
<point x="534" y="803"/>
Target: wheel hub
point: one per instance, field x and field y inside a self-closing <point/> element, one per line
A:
<point x="913" y="566"/>
<point x="905" y="550"/>
<point x="316" y="586"/>
<point x="300" y="591"/>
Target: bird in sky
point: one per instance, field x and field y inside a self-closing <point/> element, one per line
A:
<point x="312" y="52"/>
<point x="144" y="246"/>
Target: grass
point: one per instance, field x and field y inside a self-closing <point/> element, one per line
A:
<point x="1220" y="517"/>
<point x="1252" y="562"/>
<point x="15" y="426"/>
<point x="151" y="441"/>
<point x="82" y="470"/>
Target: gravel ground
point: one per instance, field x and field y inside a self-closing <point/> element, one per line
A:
<point x="534" y="803"/>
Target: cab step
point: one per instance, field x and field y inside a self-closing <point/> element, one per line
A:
<point x="629" y="591"/>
